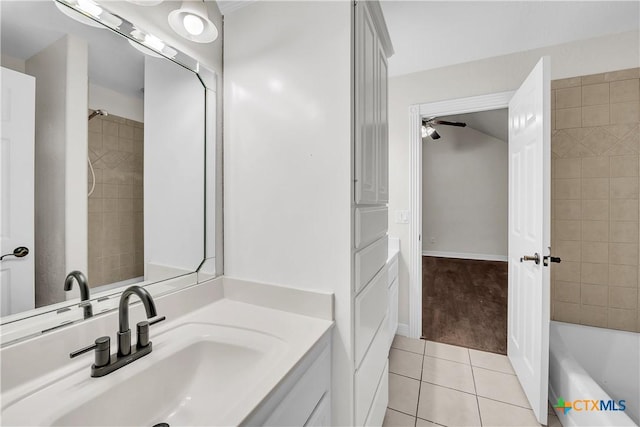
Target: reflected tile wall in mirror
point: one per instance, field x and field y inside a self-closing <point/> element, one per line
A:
<point x="116" y="217"/>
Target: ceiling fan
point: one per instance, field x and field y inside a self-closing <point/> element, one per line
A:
<point x="429" y="130"/>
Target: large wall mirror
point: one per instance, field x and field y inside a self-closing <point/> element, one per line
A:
<point x="103" y="163"/>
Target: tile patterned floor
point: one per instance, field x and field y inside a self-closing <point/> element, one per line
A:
<point x="434" y="384"/>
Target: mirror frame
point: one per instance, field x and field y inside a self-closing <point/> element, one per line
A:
<point x="211" y="265"/>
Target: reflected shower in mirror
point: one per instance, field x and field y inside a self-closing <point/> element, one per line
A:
<point x="102" y="162"/>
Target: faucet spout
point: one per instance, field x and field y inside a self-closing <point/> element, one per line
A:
<point x="124" y="333"/>
<point x="84" y="290"/>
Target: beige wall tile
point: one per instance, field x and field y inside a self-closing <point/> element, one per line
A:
<point x="593" y="78"/>
<point x="569" y="97"/>
<point x="626" y="298"/>
<point x="595" y="231"/>
<point x="624" y="188"/>
<point x="566" y="312"/>
<point x="595" y="188"/>
<point x="567" y="230"/>
<point x="622" y="166"/>
<point x="623" y="275"/>
<point x="568" y="188"/>
<point x="595" y="209"/>
<point x="625" y="90"/>
<point x="623" y="253"/>
<point x="625" y="320"/>
<point x="595" y="274"/>
<point x="595" y="94"/>
<point x="568" y="271"/>
<point x="594" y="295"/>
<point x="624" y="231"/>
<point x="597" y="252"/>
<point x="593" y="315"/>
<point x="623" y="112"/>
<point x="109" y="128"/>
<point x="567" y="250"/>
<point x="568" y="168"/>
<point x="599" y="141"/>
<point x="568" y="209"/>
<point x="567" y="291"/>
<point x="563" y="83"/>
<point x="630" y="73"/>
<point x="569" y="118"/>
<point x="595" y="167"/>
<point x="624" y="210"/>
<point x="553" y="99"/>
<point x="110" y="191"/>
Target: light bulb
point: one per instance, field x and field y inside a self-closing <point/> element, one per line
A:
<point x="193" y="24"/>
<point x="90" y="7"/>
<point x="154" y="42"/>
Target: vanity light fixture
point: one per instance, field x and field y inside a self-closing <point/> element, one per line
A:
<point x="145" y="2"/>
<point x="192" y="22"/>
<point x="151" y="45"/>
<point x="84" y="10"/>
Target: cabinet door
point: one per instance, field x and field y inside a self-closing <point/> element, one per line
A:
<point x="383" y="128"/>
<point x="366" y="116"/>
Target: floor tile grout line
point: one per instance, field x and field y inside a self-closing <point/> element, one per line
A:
<point x="449" y="360"/>
<point x="493" y="370"/>
<point x="424" y="419"/>
<point x="506" y="403"/>
<point x="420" y="385"/>
<point x="475" y="388"/>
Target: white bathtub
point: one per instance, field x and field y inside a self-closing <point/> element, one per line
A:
<point x="588" y="363"/>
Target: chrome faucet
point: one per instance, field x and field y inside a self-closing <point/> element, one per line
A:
<point x="84" y="290"/>
<point x="105" y="364"/>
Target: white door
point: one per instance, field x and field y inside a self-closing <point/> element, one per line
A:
<point x="16" y="185"/>
<point x="529" y="234"/>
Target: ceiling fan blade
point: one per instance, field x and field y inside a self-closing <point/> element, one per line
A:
<point x="444" y="122"/>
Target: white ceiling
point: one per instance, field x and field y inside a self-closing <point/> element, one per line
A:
<point x="433" y="34"/>
<point x="493" y="122"/>
<point x="30" y="26"/>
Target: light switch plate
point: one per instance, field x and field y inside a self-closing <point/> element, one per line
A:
<point x="402" y="217"/>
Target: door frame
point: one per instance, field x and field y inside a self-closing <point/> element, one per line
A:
<point x="492" y="101"/>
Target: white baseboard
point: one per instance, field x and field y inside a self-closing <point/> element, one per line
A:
<point x="403" y="329"/>
<point x="464" y="255"/>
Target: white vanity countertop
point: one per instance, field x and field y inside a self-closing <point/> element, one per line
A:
<point x="48" y="398"/>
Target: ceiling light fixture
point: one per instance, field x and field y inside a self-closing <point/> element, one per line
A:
<point x="192" y="22"/>
<point x="145" y="2"/>
<point x="86" y="12"/>
<point x="151" y="45"/>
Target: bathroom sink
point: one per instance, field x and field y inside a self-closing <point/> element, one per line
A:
<point x="195" y="375"/>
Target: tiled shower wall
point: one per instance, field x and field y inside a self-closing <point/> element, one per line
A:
<point x="116" y="226"/>
<point x="595" y="215"/>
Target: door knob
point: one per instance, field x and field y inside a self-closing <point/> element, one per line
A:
<point x="18" y="252"/>
<point x="535" y="258"/>
<point x="547" y="259"/>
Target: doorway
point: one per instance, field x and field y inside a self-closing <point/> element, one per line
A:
<point x="465" y="230"/>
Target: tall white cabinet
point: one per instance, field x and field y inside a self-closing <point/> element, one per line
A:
<point x="305" y="176"/>
<point x="370" y="297"/>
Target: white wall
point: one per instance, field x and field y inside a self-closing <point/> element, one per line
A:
<point x="15" y="64"/>
<point x="491" y="75"/>
<point x="464" y="194"/>
<point x="60" y="159"/>
<point x="102" y="98"/>
<point x="174" y="108"/>
<point x="287" y="158"/>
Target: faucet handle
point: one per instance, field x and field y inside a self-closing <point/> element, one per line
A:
<point x="142" y="329"/>
<point x="102" y="347"/>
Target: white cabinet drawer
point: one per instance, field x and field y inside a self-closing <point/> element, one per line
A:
<point x="369" y="261"/>
<point x="368" y="375"/>
<point x="393" y="271"/>
<point x="380" y="401"/>
<point x="371" y="224"/>
<point x="370" y="310"/>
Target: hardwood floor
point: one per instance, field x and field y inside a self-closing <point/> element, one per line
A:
<point x="464" y="303"/>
